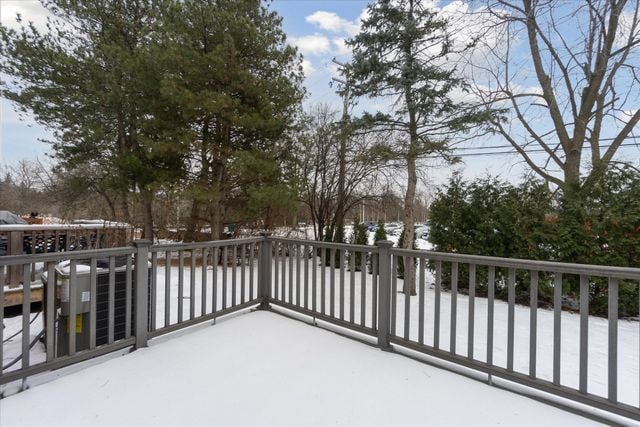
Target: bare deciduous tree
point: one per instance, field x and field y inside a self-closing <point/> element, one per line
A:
<point x="319" y="169"/>
<point x="570" y="74"/>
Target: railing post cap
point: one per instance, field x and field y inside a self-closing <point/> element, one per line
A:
<point x="266" y="233"/>
<point x="384" y="243"/>
<point x="140" y="243"/>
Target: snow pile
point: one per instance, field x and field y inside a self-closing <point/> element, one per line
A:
<point x="265" y="369"/>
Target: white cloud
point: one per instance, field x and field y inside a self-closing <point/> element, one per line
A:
<point x="341" y="47"/>
<point x="307" y="67"/>
<point x="30" y="11"/>
<point x="625" y="24"/>
<point x="625" y="115"/>
<point x="313" y="44"/>
<point x="330" y="21"/>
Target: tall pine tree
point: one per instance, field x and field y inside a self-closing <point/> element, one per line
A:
<point x="401" y="54"/>
<point x="93" y="80"/>
<point x="238" y="84"/>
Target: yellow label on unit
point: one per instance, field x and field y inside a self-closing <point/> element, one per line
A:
<point x="78" y="324"/>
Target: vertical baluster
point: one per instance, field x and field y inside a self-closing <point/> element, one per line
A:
<point x="34" y="243"/>
<point x="394" y="293"/>
<point x="436" y="305"/>
<point x="93" y="293"/>
<point x="26" y="310"/>
<point x="192" y="285"/>
<point x="276" y="268"/>
<point x="352" y="285"/>
<point x="557" y="307"/>
<point x="421" y="302"/>
<point x="203" y="282"/>
<point x="154" y="290"/>
<point x="167" y="288"/>
<point x="342" y="284"/>
<point x="332" y="283"/>
<point x="472" y="310"/>
<point x="323" y="268"/>
<point x="234" y="262"/>
<point x="407" y="298"/>
<point x="613" y="341"/>
<point x="363" y="289"/>
<point x="584" y="332"/>
<point x="454" y="307"/>
<point x="283" y="288"/>
<point x="225" y="263"/>
<point x="112" y="299"/>
<point x="290" y="284"/>
<point x="215" y="261"/>
<point x="533" y="324"/>
<point x="49" y="314"/>
<point x="374" y="291"/>
<point x="180" y="285"/>
<point x="128" y="302"/>
<point x="243" y="279"/>
<point x="50" y="327"/>
<point x="298" y="249"/>
<point x="511" y="297"/>
<point x="251" y="261"/>
<point x="314" y="279"/>
<point x="280" y="270"/>
<point x="285" y="261"/>
<point x="491" y="287"/>
<point x="306" y="276"/>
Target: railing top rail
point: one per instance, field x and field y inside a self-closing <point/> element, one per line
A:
<point x="57" y="256"/>
<point x="53" y="227"/>
<point x="198" y="245"/>
<point x="525" y="264"/>
<point x="326" y="245"/>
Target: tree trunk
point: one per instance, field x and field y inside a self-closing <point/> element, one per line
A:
<point x="125" y="215"/>
<point x="192" y="222"/>
<point x="147" y="214"/>
<point x="409" y="202"/>
<point x="409" y="287"/>
<point x="342" y="154"/>
<point x="572" y="172"/>
<point x="217" y="206"/>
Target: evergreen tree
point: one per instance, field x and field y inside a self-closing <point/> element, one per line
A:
<point x="98" y="88"/>
<point x="238" y="84"/>
<point x="400" y="54"/>
<point x="380" y="234"/>
<point x="359" y="237"/>
<point x="152" y="93"/>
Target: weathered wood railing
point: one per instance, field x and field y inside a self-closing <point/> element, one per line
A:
<point x="46" y="238"/>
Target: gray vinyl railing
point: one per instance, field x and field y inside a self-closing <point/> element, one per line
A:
<point x="323" y="280"/>
<point x="485" y="362"/>
<point x="169" y="287"/>
<point x="146" y="296"/>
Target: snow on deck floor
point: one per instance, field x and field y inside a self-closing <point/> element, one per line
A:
<point x="263" y="368"/>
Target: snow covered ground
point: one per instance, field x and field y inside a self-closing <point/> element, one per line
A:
<point x="265" y="369"/>
<point x="628" y="331"/>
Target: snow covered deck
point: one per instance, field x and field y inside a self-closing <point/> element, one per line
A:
<point x="263" y="368"/>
